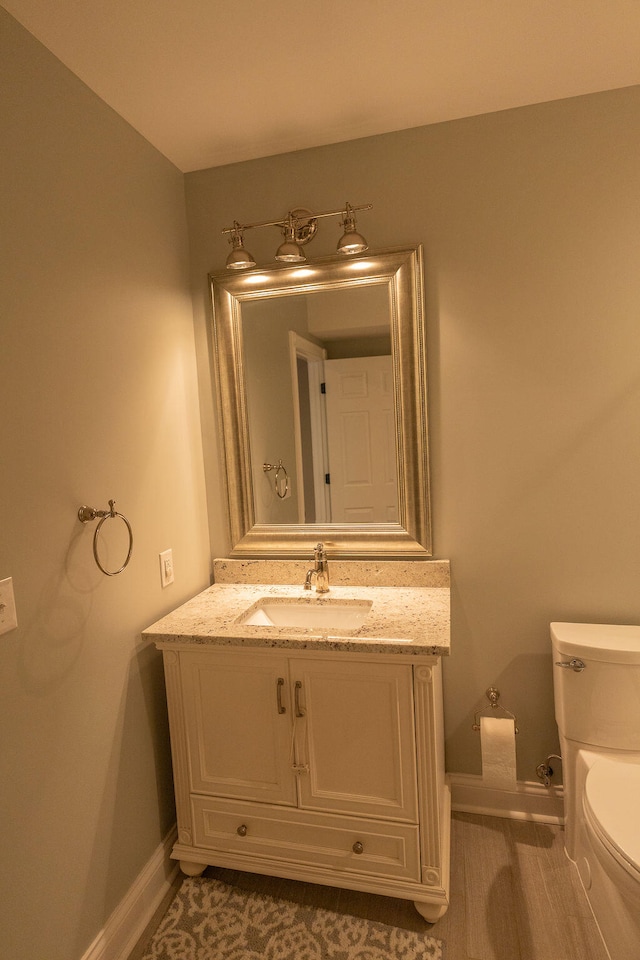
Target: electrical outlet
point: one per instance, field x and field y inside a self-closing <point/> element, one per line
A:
<point x="8" y="618"/>
<point x="166" y="567"/>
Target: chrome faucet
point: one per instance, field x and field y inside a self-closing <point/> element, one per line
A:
<point x="320" y="570"/>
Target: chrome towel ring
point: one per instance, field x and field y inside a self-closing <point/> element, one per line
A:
<point x="85" y="514"/>
<point x="281" y="478"/>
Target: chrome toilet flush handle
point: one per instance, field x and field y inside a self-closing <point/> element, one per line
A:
<point x="576" y="665"/>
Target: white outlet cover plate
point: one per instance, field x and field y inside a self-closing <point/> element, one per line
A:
<point x="166" y="567"/>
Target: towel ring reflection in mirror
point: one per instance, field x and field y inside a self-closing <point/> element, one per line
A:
<point x="281" y="478"/>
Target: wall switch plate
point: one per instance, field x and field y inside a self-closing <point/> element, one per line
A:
<point x="8" y="618"/>
<point x="166" y="567"/>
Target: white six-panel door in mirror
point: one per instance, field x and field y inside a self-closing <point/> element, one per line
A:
<point x="361" y="440"/>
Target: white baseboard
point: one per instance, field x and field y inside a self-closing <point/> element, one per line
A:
<point x="126" y="924"/>
<point x="529" y="801"/>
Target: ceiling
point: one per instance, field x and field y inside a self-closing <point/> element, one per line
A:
<point x="210" y="82"/>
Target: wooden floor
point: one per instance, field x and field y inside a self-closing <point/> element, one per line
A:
<point x="514" y="896"/>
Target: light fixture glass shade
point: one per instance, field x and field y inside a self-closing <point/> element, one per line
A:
<point x="352" y="242"/>
<point x="239" y="258"/>
<point x="289" y="251"/>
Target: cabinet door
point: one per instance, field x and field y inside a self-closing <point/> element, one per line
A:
<point x="238" y="722"/>
<point x="358" y="745"/>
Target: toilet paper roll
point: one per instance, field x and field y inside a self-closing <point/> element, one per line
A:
<point x="498" y="743"/>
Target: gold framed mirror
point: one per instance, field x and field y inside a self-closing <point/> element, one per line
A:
<point x="252" y="310"/>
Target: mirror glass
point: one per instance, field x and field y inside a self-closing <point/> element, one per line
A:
<point x="319" y="380"/>
<point x="322" y="389"/>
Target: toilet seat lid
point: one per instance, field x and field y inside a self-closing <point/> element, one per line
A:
<point x="612" y="797"/>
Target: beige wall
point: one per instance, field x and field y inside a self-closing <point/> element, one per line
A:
<point x="98" y="401"/>
<point x="531" y="224"/>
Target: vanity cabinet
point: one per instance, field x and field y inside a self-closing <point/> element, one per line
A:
<point x="322" y="766"/>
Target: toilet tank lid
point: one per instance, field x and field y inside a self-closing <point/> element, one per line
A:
<point x="612" y="643"/>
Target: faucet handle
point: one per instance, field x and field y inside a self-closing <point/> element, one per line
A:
<point x="319" y="551"/>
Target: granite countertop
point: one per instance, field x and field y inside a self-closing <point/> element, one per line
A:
<point x="405" y="620"/>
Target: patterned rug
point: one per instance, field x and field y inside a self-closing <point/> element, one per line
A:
<point x="210" y="920"/>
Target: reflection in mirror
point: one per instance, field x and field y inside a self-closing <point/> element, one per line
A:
<point x="319" y="376"/>
<point x="322" y="369"/>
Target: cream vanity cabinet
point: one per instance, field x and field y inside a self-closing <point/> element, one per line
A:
<point x="320" y="766"/>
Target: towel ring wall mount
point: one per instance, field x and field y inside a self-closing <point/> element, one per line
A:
<point x="86" y="514"/>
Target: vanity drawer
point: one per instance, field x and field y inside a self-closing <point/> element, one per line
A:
<point x="255" y="829"/>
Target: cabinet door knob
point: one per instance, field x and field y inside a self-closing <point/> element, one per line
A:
<point x="242" y="830"/>
<point x="358" y="847"/>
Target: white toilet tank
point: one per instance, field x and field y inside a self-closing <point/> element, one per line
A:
<point x="600" y="704"/>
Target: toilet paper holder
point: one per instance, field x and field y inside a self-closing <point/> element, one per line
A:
<point x="493" y="696"/>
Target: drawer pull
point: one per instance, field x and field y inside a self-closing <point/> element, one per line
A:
<point x="242" y="830"/>
<point x="281" y="707"/>
<point x="358" y="847"/>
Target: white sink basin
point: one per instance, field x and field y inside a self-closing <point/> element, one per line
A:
<point x="312" y="614"/>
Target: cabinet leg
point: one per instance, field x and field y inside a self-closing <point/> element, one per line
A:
<point x="430" y="911"/>
<point x="192" y="869"/>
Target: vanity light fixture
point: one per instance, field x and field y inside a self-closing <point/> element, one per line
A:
<point x="298" y="228"/>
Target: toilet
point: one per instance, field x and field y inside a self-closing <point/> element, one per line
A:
<point x="597" y="703"/>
